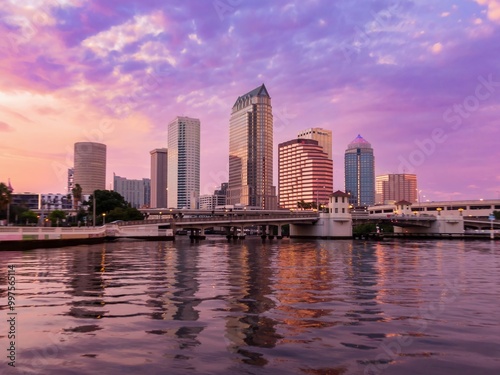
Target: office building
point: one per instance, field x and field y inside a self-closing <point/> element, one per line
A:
<point x="183" y="162"/>
<point x="305" y="174"/>
<point x="159" y="173"/>
<point x="31" y="201"/>
<point x="251" y="151"/>
<point x="135" y="192"/>
<point x="323" y="136"/>
<point x="218" y="198"/>
<point x="90" y="166"/>
<point x="391" y="188"/>
<point x="360" y="172"/>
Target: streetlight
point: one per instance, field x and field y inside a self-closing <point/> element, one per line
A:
<point x="104" y="218"/>
<point x="439" y="210"/>
<point x="461" y="211"/>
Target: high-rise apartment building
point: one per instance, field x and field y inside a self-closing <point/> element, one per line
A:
<point x="251" y="151"/>
<point x="135" y="192"/>
<point x="323" y="136"/>
<point x="183" y="162"/>
<point x="90" y="166"/>
<point x="305" y="173"/>
<point x="159" y="173"/>
<point x="360" y="172"/>
<point x="391" y="188"/>
<point x="71" y="180"/>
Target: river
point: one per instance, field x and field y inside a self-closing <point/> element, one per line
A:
<point x="253" y="307"/>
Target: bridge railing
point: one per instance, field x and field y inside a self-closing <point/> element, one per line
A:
<point x="230" y="216"/>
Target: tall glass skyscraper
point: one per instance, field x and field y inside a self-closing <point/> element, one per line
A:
<point x="251" y="151"/>
<point x="360" y="172"/>
<point x="183" y="180"/>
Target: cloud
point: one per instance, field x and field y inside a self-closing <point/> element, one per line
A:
<point x="4" y="127"/>
<point x="493" y="9"/>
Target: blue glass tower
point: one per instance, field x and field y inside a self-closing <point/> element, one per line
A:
<point x="360" y="172"/>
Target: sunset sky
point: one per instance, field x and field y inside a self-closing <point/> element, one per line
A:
<point x="419" y="80"/>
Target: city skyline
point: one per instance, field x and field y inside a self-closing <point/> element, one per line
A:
<point x="419" y="80"/>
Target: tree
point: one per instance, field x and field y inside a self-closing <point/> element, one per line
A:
<point x="57" y="216"/>
<point x="125" y="214"/>
<point x="108" y="201"/>
<point x="497" y="215"/>
<point x="5" y="197"/>
<point x="28" y="217"/>
<point x="77" y="195"/>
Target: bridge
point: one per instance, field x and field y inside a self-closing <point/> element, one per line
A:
<point x="197" y="221"/>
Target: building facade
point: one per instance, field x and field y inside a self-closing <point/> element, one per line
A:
<point x="218" y="198"/>
<point x="323" y="136"/>
<point x="31" y="201"/>
<point x="90" y="166"/>
<point x="135" y="192"/>
<point x="51" y="202"/>
<point x="305" y="174"/>
<point x="360" y="172"/>
<point x="159" y="174"/>
<point x="390" y="188"/>
<point x="251" y="151"/>
<point x="71" y="180"/>
<point x="183" y="182"/>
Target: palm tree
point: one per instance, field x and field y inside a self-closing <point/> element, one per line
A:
<point x="77" y="195"/>
<point x="5" y="198"/>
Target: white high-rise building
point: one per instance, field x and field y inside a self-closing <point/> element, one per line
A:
<point x="183" y="182"/>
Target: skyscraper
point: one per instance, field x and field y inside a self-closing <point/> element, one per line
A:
<point x="183" y="162"/>
<point x="323" y="136"/>
<point x="251" y="151"/>
<point x="360" y="172"/>
<point x="159" y="172"/>
<point x="396" y="187"/>
<point x="305" y="173"/>
<point x="90" y="166"/>
<point x="135" y="192"/>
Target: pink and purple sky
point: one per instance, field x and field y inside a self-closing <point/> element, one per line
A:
<point x="420" y="80"/>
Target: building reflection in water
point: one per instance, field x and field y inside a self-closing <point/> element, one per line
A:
<point x="87" y="285"/>
<point x="250" y="277"/>
<point x="172" y="294"/>
<point x="304" y="285"/>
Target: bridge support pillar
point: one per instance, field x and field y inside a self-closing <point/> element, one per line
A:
<point x="280" y="235"/>
<point x="271" y="232"/>
<point x="264" y="232"/>
<point x="241" y="236"/>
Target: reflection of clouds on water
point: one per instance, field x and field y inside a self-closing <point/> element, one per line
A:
<point x="315" y="307"/>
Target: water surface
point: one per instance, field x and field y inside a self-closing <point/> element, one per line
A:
<point x="253" y="307"/>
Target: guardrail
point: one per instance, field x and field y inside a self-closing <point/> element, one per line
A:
<point x="235" y="216"/>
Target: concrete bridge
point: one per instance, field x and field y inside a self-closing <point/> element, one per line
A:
<point x="233" y="221"/>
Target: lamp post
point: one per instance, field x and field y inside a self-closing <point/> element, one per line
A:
<point x="104" y="218"/>
<point x="439" y="211"/>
